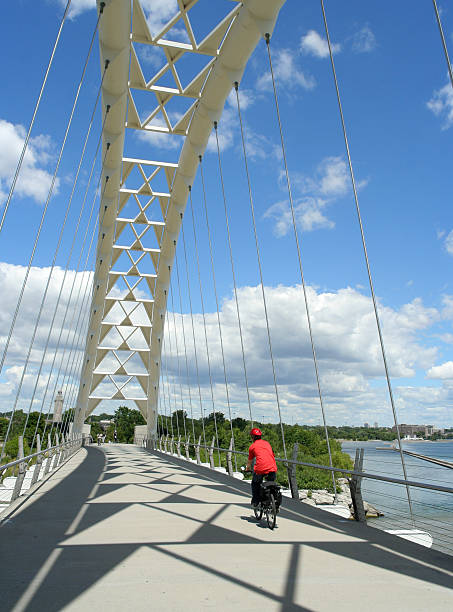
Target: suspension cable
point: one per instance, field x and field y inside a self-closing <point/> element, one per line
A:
<point x="299" y="256"/>
<point x="178" y="362"/>
<point x="365" y="252"/>
<point x="170" y="347"/>
<point x="85" y="297"/>
<point x="193" y="334"/>
<point x="233" y="274"/>
<point x="204" y="320"/>
<point x="75" y="364"/>
<point x="27" y="138"/>
<point x="170" y="386"/>
<point x="67" y="267"/>
<point x="74" y="361"/>
<point x="60" y="335"/>
<point x="252" y="210"/>
<point x="49" y="195"/>
<point x="211" y="254"/>
<point x="162" y="389"/>
<point x="78" y="318"/>
<point x="185" y="345"/>
<point x="82" y="308"/>
<point x="88" y="281"/>
<point x="57" y="249"/>
<point x="168" y="381"/>
<point x="444" y="44"/>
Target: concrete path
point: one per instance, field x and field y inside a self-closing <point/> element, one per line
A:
<point x="118" y="528"/>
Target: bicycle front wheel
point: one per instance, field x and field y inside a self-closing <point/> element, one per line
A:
<point x="271" y="512"/>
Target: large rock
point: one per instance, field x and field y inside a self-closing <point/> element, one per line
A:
<point x="323" y="498"/>
<point x="371" y="511"/>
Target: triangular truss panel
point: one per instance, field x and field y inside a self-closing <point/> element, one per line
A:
<point x="184" y="65"/>
<point x="164" y="85"/>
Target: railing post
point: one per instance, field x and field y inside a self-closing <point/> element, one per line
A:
<point x="186" y="445"/>
<point x="229" y="456"/>
<point x="49" y="455"/>
<point x="197" y="451"/>
<point x="57" y="451"/>
<point x="178" y="447"/>
<point x="166" y="443"/>
<point x="211" y="454"/>
<point x="292" y="476"/>
<point x="172" y="442"/>
<point x="38" y="463"/>
<point x="21" y="474"/>
<point x="355" y="487"/>
<point x="63" y="450"/>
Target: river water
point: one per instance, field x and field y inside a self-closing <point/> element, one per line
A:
<point x="432" y="511"/>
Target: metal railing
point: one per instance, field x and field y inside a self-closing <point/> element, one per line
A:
<point x="394" y="518"/>
<point x="51" y="457"/>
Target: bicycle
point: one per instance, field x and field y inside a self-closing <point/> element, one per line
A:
<point x="269" y="504"/>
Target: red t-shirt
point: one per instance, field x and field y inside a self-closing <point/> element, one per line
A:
<point x="265" y="460"/>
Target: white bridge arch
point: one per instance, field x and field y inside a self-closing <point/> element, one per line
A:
<point x="228" y="47"/>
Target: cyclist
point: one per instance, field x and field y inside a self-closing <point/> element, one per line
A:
<point x="265" y="466"/>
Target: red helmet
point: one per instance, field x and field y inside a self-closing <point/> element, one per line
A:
<point x="256" y="432"/>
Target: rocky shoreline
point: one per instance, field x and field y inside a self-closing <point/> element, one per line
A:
<point x="322" y="497"/>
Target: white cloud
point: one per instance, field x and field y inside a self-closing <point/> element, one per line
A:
<point x="364" y="41"/>
<point x="441" y="104"/>
<point x="286" y="72"/>
<point x="449" y="243"/>
<point x="157" y="12"/>
<point x="34" y="181"/>
<point x="447" y="310"/>
<point x="247" y="98"/>
<point x="160" y="140"/>
<point x="442" y="372"/>
<point x="314" y="44"/>
<point x="11" y="279"/>
<point x="349" y="356"/>
<point x="330" y="182"/>
<point x="257" y="145"/>
<point x="350" y="362"/>
<point x="307" y="212"/>
<point x="78" y="6"/>
<point x="334" y="179"/>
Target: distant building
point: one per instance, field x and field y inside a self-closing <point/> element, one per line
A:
<point x="439" y="430"/>
<point x="412" y="430"/>
<point x="366" y="425"/>
<point x="105" y="424"/>
<point x="375" y="425"/>
<point x="58" y="410"/>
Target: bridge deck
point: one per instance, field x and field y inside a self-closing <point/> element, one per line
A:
<point x="118" y="528"/>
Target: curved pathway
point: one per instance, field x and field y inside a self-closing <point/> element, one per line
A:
<point x="118" y="528"/>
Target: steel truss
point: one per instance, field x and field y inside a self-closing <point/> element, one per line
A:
<point x="131" y="277"/>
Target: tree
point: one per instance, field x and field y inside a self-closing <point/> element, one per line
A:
<point x="219" y="417"/>
<point x="125" y="421"/>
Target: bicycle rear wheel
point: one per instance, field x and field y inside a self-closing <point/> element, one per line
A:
<point x="258" y="512"/>
<point x="271" y="512"/>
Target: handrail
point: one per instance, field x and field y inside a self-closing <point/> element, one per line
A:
<point x="401" y="481"/>
<point x="27" y="457"/>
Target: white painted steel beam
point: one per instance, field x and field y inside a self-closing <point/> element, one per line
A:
<point x="229" y="45"/>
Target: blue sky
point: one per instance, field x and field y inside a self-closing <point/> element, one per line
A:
<point x="398" y="107"/>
